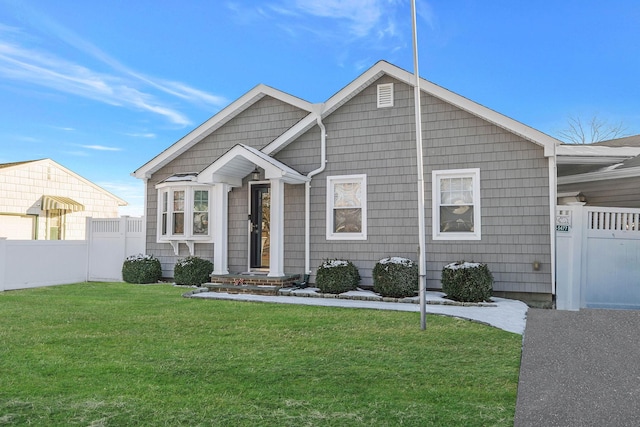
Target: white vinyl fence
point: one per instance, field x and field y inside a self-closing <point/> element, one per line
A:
<point x="598" y="257"/>
<point x="35" y="263"/>
<point x="110" y="242"/>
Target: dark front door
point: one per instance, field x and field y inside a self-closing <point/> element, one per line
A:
<point x="259" y="226"/>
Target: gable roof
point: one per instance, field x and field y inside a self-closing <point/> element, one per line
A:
<point x="382" y="68"/>
<point x="120" y="201"/>
<point x="322" y="110"/>
<point x="240" y="160"/>
<point x="12" y="164"/>
<point x="215" y="122"/>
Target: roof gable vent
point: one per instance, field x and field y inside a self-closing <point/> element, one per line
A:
<point x="385" y="95"/>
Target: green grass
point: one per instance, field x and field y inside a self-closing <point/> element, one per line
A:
<point x="115" y="354"/>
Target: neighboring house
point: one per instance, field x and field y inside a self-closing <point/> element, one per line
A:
<point x="601" y="174"/>
<point x="43" y="200"/>
<point x="273" y="184"/>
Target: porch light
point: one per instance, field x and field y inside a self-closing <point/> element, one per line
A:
<point x="255" y="175"/>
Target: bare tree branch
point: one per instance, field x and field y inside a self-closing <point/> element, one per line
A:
<point x="595" y="130"/>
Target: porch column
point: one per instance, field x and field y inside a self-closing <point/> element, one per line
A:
<point x="276" y="229"/>
<point x="220" y="228"/>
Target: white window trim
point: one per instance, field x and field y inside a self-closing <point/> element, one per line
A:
<point x="436" y="176"/>
<point x="331" y="181"/>
<point x="189" y="188"/>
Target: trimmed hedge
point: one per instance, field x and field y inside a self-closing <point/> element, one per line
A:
<point x="467" y="282"/>
<point x="141" y="269"/>
<point x="192" y="271"/>
<point x="337" y="276"/>
<point x="395" y="277"/>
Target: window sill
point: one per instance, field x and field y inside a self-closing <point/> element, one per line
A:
<point x="456" y="236"/>
<point x="346" y="237"/>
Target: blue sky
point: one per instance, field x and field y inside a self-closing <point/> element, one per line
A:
<point x="101" y="86"/>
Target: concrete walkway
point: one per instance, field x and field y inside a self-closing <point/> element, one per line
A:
<point x="580" y="368"/>
<point x="506" y="314"/>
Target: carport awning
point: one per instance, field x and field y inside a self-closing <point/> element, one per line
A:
<point x="61" y="203"/>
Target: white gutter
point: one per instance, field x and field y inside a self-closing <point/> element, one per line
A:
<point x="307" y="188"/>
<point x="145" y="215"/>
<point x="587" y="150"/>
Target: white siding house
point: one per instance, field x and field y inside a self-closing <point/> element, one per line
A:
<point x="43" y="200"/>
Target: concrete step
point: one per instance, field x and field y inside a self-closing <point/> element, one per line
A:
<point x="243" y="289"/>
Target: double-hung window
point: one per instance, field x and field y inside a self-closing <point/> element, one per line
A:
<point x="456" y="204"/>
<point x="183" y="210"/>
<point x="178" y="212"/>
<point x="347" y="207"/>
<point x="200" y="212"/>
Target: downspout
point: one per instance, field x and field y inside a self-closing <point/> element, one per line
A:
<point x="307" y="188"/>
<point x="145" y="215"/>
<point x="553" y="201"/>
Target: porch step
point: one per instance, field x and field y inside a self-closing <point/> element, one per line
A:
<point x="244" y="289"/>
<point x="251" y="283"/>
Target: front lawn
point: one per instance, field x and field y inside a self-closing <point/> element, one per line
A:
<point x="116" y="354"/>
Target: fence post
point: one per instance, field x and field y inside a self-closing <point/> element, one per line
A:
<point x="569" y="238"/>
<point x="3" y="261"/>
<point x="123" y="236"/>
<point x="577" y="261"/>
<point x="88" y="237"/>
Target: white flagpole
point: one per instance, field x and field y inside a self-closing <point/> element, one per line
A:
<point x="419" y="153"/>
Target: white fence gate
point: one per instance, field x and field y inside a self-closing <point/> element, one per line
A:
<point x="597" y="258"/>
<point x="111" y="240"/>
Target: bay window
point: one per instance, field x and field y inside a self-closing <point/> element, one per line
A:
<point x="183" y="211"/>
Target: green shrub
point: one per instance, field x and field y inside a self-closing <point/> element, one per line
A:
<point x="141" y="269"/>
<point x="466" y="281"/>
<point x="395" y="277"/>
<point x="337" y="276"/>
<point x="192" y="271"/>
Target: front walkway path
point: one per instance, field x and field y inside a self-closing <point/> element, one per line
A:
<point x="506" y="314"/>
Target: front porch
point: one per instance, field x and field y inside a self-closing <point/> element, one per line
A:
<point x="251" y="283"/>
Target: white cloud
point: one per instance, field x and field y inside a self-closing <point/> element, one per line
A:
<point x="43" y="69"/>
<point x="183" y="91"/>
<point x="142" y="135"/>
<point x="25" y="138"/>
<point x="426" y="13"/>
<point x="122" y="87"/>
<point x="101" y="148"/>
<point x="353" y="19"/>
<point x="77" y="153"/>
<point x="362" y="16"/>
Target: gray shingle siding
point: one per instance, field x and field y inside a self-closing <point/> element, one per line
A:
<point x="363" y="139"/>
<point x="257" y="126"/>
<point x="381" y="144"/>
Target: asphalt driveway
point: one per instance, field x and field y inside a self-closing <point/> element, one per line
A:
<point x="580" y="368"/>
